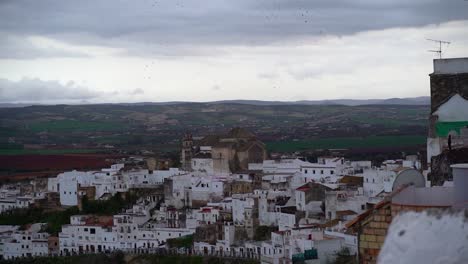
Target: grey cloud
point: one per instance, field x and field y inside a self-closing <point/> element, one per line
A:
<point x="36" y="90"/>
<point x="268" y="75"/>
<point x="137" y="91"/>
<point x="132" y="25"/>
<point x="20" y="47"/>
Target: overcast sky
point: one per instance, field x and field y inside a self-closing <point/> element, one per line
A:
<point x="90" y="51"/>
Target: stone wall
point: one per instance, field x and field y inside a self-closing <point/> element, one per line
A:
<point x="373" y="233"/>
<point x="444" y="86"/>
<point x="440" y="165"/>
<point x="208" y="233"/>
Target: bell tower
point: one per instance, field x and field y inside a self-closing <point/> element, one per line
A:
<point x="187" y="152"/>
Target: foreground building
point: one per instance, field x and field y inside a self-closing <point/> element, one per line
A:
<point x="447" y="141"/>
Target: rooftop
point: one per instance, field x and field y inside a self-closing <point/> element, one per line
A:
<point x="437" y="196"/>
<point x="451" y="66"/>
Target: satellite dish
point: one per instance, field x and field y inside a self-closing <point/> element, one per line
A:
<point x="409" y="177"/>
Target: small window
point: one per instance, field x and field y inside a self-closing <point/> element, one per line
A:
<point x="92" y="231"/>
<point x="331" y="172"/>
<point x="363" y="207"/>
<point x="305" y="171"/>
<point x="321" y="171"/>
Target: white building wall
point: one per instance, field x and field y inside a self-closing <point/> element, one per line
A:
<point x="373" y="181"/>
<point x="52" y="185"/>
<point x="238" y="209"/>
<point x="203" y="165"/>
<point x="286" y="221"/>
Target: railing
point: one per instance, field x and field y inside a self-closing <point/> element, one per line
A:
<point x="191" y="252"/>
<point x="173" y="252"/>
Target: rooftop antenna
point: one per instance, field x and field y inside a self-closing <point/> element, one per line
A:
<point x="440" y="46"/>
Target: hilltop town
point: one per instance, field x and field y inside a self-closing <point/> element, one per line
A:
<point x="231" y="199"/>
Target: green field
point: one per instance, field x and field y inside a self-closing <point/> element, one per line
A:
<point x="346" y="143"/>
<point x="75" y="125"/>
<point x="44" y="151"/>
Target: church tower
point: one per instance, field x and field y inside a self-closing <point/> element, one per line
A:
<point x="187" y="152"/>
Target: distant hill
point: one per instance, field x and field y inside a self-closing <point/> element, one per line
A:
<point x="422" y="100"/>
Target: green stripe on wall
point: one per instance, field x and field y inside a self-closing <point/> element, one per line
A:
<point x="444" y="128"/>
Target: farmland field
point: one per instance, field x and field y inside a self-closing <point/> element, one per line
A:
<point x="159" y="128"/>
<point x="346" y="142"/>
<point x="44" y="151"/>
<point x="73" y="125"/>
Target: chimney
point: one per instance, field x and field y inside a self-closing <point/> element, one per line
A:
<point x="460" y="182"/>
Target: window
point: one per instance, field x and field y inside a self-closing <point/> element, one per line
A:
<point x="331" y="172"/>
<point x="321" y="171"/>
<point x="86" y="229"/>
<point x="305" y="171"/>
<point x="313" y="172"/>
<point x="363" y="207"/>
<point x="92" y="231"/>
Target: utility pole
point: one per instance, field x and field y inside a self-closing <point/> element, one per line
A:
<point x="440" y="46"/>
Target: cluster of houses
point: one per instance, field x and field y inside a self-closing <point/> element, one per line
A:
<point x="303" y="206"/>
<point x="229" y="199"/>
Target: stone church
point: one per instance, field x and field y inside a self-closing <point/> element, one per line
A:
<point x="222" y="154"/>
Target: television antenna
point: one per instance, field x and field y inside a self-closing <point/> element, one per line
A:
<point x="440" y="46"/>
